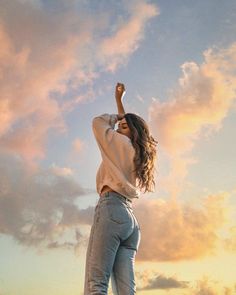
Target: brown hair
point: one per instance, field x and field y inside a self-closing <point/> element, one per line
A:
<point x="145" y="151"/>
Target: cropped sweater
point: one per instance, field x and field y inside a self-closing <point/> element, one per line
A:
<point x="117" y="168"/>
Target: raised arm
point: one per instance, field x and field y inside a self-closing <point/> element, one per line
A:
<point x="119" y="94"/>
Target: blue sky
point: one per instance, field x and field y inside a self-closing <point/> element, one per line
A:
<point x="59" y="64"/>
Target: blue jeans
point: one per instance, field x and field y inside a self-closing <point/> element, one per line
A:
<point x="113" y="243"/>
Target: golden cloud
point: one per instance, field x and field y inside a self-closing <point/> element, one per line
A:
<point x="152" y="280"/>
<point x="230" y="242"/>
<point x="197" y="107"/>
<point x="172" y="231"/>
<point x="160" y="281"/>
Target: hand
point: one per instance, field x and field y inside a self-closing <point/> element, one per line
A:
<point x="120" y="91"/>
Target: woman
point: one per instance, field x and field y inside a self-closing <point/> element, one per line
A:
<point x="127" y="168"/>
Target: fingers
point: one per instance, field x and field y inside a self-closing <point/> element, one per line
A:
<point x="119" y="84"/>
<point x="120" y="87"/>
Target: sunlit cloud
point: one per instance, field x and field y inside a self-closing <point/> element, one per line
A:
<point x="230" y="242"/>
<point x="38" y="209"/>
<point x="160" y="281"/>
<point x="78" y="145"/>
<point x="128" y="35"/>
<point x="173" y="231"/>
<point x="49" y="60"/>
<point x="61" y="171"/>
<point x="152" y="280"/>
<point x="197" y="107"/>
<point x="206" y="286"/>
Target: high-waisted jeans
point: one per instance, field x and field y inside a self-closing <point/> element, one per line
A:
<point x="113" y="243"/>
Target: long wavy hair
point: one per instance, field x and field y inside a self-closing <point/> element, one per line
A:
<point x="145" y="151"/>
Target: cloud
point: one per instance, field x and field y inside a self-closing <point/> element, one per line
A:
<point x="78" y="145"/>
<point x="149" y="279"/>
<point x="39" y="208"/>
<point x="140" y="98"/>
<point x="49" y="59"/>
<point x="205" y="286"/>
<point x="118" y="47"/>
<point x="202" y="88"/>
<point x="197" y="107"/>
<point x="30" y="70"/>
<point x="230" y="242"/>
<point x="174" y="231"/>
<point x="162" y="282"/>
<point x="61" y="171"/>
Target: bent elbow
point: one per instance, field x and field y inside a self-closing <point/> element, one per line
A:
<point x="95" y="122"/>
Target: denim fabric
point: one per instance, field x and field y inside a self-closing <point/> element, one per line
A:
<point x="114" y="240"/>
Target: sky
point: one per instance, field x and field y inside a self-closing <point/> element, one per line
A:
<point x="59" y="64"/>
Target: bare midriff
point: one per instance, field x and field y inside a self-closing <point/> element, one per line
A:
<point x="105" y="189"/>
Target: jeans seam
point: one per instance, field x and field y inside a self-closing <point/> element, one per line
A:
<point x="116" y="284"/>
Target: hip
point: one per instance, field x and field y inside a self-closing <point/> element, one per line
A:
<point x="116" y="207"/>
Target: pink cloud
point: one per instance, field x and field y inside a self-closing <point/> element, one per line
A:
<point x="29" y="111"/>
<point x="78" y="145"/>
<point x="197" y="107"/>
<point x="45" y="57"/>
<point x="126" y="40"/>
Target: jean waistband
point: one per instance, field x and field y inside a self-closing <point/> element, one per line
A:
<point x="121" y="197"/>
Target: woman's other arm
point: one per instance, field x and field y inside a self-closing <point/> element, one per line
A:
<point x="119" y="94"/>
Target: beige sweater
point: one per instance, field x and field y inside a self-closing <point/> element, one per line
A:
<point x="117" y="154"/>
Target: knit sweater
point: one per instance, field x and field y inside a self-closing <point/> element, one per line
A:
<point x="117" y="151"/>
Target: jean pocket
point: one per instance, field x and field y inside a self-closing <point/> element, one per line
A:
<point x="117" y="213"/>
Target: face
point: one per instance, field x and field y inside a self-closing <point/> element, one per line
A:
<point x="123" y="128"/>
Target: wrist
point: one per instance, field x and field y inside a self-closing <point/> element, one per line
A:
<point x="119" y="97"/>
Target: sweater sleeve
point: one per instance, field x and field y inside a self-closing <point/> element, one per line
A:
<point x="109" y="141"/>
<point x="103" y="127"/>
